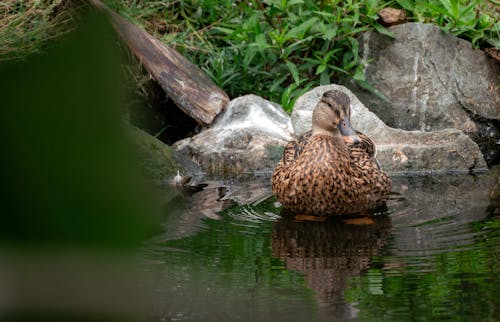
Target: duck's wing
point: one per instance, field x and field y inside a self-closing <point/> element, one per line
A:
<point x="301" y="142"/>
<point x="367" y="145"/>
<point x="294" y="148"/>
<point x="364" y="150"/>
<point x="292" y="151"/>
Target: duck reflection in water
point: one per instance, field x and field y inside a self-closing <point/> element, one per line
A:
<point x="329" y="253"/>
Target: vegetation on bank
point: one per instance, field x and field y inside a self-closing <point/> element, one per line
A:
<point x="277" y="49"/>
<point x="28" y="26"/>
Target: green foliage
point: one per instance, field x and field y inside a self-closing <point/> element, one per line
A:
<point x="276" y="49"/>
<point x="474" y="20"/>
<point x="281" y="49"/>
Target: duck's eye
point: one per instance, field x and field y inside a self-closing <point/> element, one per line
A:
<point x="343" y="124"/>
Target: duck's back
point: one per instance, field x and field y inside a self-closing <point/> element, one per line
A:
<point x="318" y="177"/>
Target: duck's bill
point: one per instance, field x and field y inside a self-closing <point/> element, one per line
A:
<point x="349" y="134"/>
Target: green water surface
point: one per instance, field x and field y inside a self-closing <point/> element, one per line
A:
<point x="230" y="254"/>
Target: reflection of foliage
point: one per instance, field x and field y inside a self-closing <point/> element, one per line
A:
<point x="449" y="286"/>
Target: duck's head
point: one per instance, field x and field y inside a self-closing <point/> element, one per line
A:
<point x="331" y="116"/>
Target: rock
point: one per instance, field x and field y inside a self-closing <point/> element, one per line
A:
<point x="159" y="161"/>
<point x="399" y="150"/>
<point x="247" y="138"/>
<point x="391" y="16"/>
<point x="433" y="81"/>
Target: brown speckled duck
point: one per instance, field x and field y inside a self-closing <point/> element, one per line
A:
<point x="330" y="170"/>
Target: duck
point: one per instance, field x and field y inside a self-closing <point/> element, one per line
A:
<point x="330" y="170"/>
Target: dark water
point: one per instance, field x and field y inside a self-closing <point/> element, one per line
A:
<point x="228" y="255"/>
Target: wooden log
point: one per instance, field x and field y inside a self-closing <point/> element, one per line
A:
<point x="186" y="84"/>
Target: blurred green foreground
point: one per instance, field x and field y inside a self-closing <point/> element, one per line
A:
<point x="74" y="209"/>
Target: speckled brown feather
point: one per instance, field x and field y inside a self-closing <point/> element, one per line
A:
<point x="318" y="177"/>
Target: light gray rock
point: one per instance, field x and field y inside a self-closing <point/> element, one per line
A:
<point x="248" y="137"/>
<point x="433" y="81"/>
<point x="399" y="150"/>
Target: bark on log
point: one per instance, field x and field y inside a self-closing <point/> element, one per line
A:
<point x="191" y="90"/>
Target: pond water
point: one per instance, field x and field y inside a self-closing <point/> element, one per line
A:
<point x="228" y="255"/>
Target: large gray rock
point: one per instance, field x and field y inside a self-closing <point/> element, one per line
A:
<point x="248" y="137"/>
<point x="433" y="81"/>
<point x="399" y="150"/>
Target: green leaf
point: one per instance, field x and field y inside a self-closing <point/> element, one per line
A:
<point x="383" y="30"/>
<point x="324" y="79"/>
<point x="476" y="37"/>
<point x="330" y="32"/>
<point x="293" y="70"/>
<point x="296" y="45"/>
<point x="485" y="21"/>
<point x="249" y="56"/>
<point x="261" y="40"/>
<point x="369" y="87"/>
<point x="359" y="75"/>
<point x="354" y="47"/>
<point x="496" y="26"/>
<point x="294" y="2"/>
<point x="286" y="97"/>
<point x="349" y="60"/>
<point x="277" y="84"/>
<point x="449" y="7"/>
<point x="338" y="69"/>
<point x="320" y="69"/>
<point x="227" y="31"/>
<point x="495" y="42"/>
<point x="300" y="30"/>
<point x="464" y="10"/>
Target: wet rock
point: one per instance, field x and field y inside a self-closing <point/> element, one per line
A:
<point x="248" y="137"/>
<point x="159" y="161"/>
<point x="399" y="150"/>
<point x="434" y="81"/>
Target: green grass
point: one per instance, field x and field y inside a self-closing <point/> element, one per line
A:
<point x="275" y="49"/>
<point x="28" y="26"/>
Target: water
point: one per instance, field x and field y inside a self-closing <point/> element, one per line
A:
<point x="227" y="255"/>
